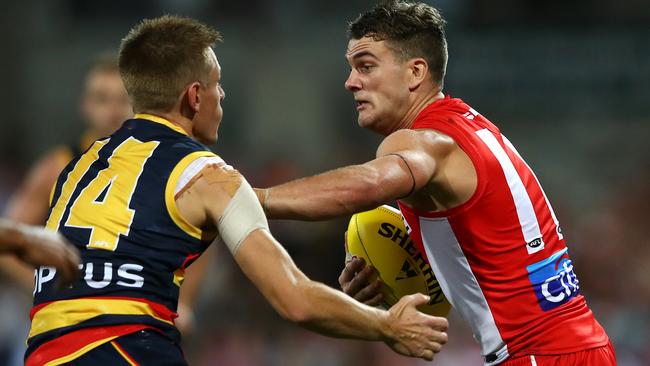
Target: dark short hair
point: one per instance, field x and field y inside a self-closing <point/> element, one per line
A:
<point x="410" y="29"/>
<point x="160" y="56"/>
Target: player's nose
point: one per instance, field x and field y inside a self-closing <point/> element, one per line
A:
<point x="353" y="83"/>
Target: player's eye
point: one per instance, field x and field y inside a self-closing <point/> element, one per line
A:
<point x="365" y="68"/>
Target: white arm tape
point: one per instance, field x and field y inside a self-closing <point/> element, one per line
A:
<point x="242" y="216"/>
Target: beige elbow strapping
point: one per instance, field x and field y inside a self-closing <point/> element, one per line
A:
<point x="242" y="216"/>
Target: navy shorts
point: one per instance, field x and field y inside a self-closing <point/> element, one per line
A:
<point x="144" y="347"/>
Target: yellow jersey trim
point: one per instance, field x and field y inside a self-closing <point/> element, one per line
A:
<point x="162" y="121"/>
<point x="179" y="277"/>
<point x="170" y="201"/>
<point x="64" y="313"/>
<point x="80" y="352"/>
<point x="123" y="353"/>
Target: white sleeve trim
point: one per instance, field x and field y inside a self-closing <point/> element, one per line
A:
<point x="194" y="168"/>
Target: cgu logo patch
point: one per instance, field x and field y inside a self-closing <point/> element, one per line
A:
<point x="553" y="280"/>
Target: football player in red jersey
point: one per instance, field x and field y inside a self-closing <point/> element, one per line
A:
<point x="473" y="206"/>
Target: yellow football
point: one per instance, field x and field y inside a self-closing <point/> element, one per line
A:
<point x="379" y="236"/>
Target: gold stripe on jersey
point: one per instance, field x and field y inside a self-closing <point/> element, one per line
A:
<point x="73" y="177"/>
<point x="162" y="121"/>
<point x="123" y="353"/>
<point x="170" y="200"/>
<point x="64" y="313"/>
<point x="80" y="352"/>
<point x="179" y="277"/>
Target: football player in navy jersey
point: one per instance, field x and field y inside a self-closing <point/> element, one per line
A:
<point x="104" y="106"/>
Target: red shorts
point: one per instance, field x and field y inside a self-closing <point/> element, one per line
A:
<point x="600" y="356"/>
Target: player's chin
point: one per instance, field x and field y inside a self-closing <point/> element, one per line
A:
<point x="365" y="120"/>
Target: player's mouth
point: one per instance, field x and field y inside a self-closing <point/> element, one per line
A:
<point x="361" y="104"/>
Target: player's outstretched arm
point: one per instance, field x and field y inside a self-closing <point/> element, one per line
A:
<point x="39" y="247"/>
<point x="325" y="310"/>
<point x="406" y="161"/>
<point x="220" y="197"/>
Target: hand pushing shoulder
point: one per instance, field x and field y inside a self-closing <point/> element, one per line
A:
<point x="218" y="197"/>
<point x="204" y="191"/>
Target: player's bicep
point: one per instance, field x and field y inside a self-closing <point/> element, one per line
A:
<point x="418" y="154"/>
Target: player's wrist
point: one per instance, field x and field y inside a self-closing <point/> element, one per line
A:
<point x="386" y="322"/>
<point x="263" y="197"/>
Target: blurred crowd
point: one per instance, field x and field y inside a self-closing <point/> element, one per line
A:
<point x="568" y="88"/>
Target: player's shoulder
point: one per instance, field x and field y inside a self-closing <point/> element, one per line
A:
<point x="425" y="140"/>
<point x="204" y="171"/>
<point x="427" y="136"/>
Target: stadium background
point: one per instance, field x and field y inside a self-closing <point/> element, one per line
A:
<point x="568" y="82"/>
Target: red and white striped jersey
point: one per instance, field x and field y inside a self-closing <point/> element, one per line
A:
<point x="500" y="257"/>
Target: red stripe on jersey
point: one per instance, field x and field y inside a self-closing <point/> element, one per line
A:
<point x="68" y="346"/>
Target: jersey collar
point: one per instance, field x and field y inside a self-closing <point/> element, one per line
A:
<point x="162" y="121"/>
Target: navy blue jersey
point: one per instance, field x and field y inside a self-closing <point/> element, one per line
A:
<point x="116" y="204"/>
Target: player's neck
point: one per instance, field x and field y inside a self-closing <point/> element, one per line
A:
<point x="175" y="118"/>
<point x="416" y="107"/>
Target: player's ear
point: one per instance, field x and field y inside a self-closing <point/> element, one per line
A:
<point x="418" y="71"/>
<point x="192" y="95"/>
